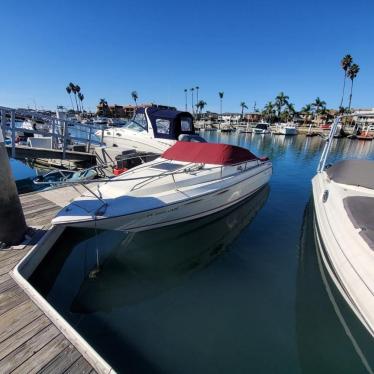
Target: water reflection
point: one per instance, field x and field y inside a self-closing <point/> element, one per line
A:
<point x="330" y="338"/>
<point x="138" y="266"/>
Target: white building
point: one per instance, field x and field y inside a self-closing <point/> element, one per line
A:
<point x="364" y="116"/>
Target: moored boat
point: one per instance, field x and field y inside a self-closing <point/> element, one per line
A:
<point x="344" y="205"/>
<point x="152" y="129"/>
<point x="189" y="181"/>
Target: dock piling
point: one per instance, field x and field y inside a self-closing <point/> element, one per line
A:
<point x="12" y="219"/>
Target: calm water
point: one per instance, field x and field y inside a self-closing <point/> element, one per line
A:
<point x="238" y="292"/>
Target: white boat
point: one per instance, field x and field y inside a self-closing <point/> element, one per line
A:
<point x="262" y="128"/>
<point x="344" y="229"/>
<point x="152" y="129"/>
<point x="286" y="129"/>
<point x="189" y="181"/>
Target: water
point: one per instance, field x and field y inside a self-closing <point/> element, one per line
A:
<point x="237" y="292"/>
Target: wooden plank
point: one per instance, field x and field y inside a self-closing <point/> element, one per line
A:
<point x="28" y="349"/>
<point x="10" y="253"/>
<point x="40" y="358"/>
<point x="81" y="366"/>
<point x="21" y="336"/>
<point x="44" y="210"/>
<point x="36" y="208"/>
<point x="62" y="361"/>
<point x="8" y="267"/>
<point x="17" y="318"/>
<point x="4" y="278"/>
<point x="7" y="284"/>
<point x="11" y="299"/>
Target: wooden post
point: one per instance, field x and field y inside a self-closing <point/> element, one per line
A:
<point x="12" y="220"/>
<point x="13" y="125"/>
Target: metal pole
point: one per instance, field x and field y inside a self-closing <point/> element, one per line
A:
<point x="89" y="140"/>
<point x="13" y="124"/>
<point x="102" y="136"/>
<point x="3" y="121"/>
<point x="53" y="133"/>
<point x="65" y="138"/>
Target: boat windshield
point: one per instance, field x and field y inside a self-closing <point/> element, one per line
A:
<point x="137" y="123"/>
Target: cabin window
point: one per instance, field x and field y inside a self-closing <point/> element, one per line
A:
<point x="186" y="124"/>
<point x="163" y="126"/>
<point x="137" y="123"/>
<point x="118" y="134"/>
<point x="108" y="132"/>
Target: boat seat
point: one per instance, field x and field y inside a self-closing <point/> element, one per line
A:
<point x="360" y="210"/>
<point x="353" y="172"/>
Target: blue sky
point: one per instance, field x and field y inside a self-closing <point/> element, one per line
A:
<point x="251" y="50"/>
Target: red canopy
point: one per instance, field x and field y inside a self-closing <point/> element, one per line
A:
<point x="208" y="153"/>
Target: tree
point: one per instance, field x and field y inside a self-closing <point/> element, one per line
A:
<point x="81" y="98"/>
<point x="201" y="105"/>
<point x="74" y="91"/>
<point x="352" y="74"/>
<point x="103" y="108"/>
<point x="220" y="95"/>
<point x="197" y="93"/>
<point x="319" y="105"/>
<point x="68" y="90"/>
<point x="280" y="101"/>
<point x="134" y="96"/>
<point x="345" y="63"/>
<point x="269" y="111"/>
<point x="192" y="106"/>
<point x="243" y="106"/>
<point x="77" y="92"/>
<point x="185" y="99"/>
<point x="306" y="111"/>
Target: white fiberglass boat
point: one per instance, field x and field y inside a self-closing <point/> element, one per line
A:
<point x="344" y="228"/>
<point x="152" y="129"/>
<point x="189" y="181"/>
<point x="285" y="129"/>
<point x="262" y="128"/>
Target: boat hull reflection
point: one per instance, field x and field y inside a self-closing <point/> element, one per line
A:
<point x="330" y="339"/>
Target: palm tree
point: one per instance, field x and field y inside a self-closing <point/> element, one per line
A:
<point x="269" y="111"/>
<point x="220" y="94"/>
<point x="74" y="91"/>
<point x="319" y="105"/>
<point x="134" y="96"/>
<point x="197" y="93"/>
<point x="280" y="101"/>
<point x="201" y="105"/>
<point x="68" y="90"/>
<point x="192" y="90"/>
<point x="289" y="111"/>
<point x="185" y="98"/>
<point x="345" y="63"/>
<point x="81" y="98"/>
<point x="306" y="110"/>
<point x="78" y="90"/>
<point x="243" y="106"/>
<point x="352" y="74"/>
<point x="104" y="109"/>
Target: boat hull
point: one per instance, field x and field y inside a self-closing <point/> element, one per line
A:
<point x="338" y="257"/>
<point x="185" y="210"/>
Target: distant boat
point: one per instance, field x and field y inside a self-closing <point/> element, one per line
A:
<point x="152" y="129"/>
<point x="262" y="128"/>
<point x="285" y="129"/>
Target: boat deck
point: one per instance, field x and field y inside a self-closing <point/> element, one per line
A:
<point x="29" y="341"/>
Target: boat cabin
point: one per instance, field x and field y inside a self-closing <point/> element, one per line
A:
<point x="162" y="123"/>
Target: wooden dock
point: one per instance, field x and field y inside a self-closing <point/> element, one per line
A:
<point x="29" y="341"/>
